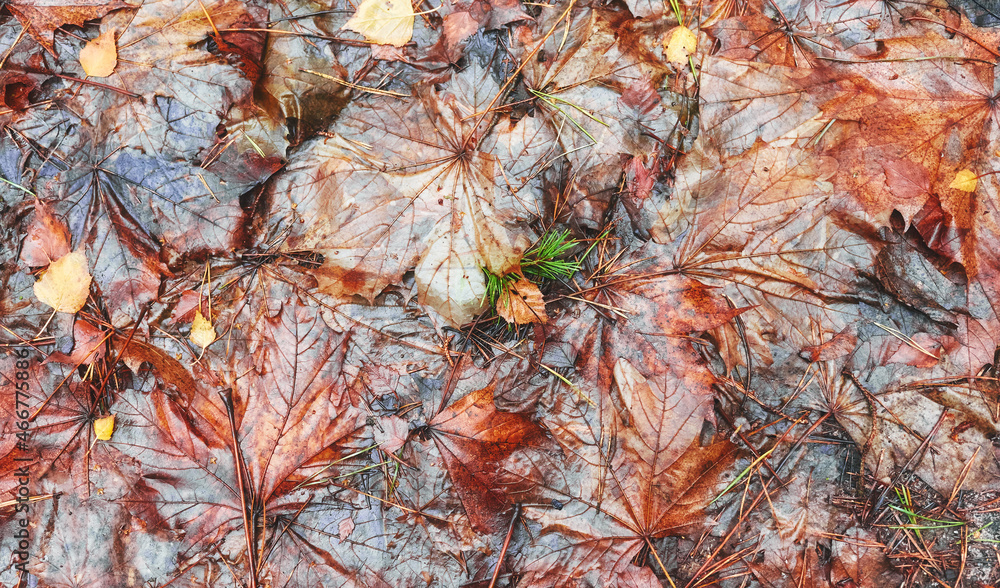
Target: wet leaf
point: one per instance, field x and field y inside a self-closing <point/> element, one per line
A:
<point x="522" y="304"/>
<point x="104" y="427"/>
<point x="475" y="440"/>
<point x="388" y="22"/>
<point x="100" y="56"/>
<point x="41" y="18"/>
<point x="65" y="285"/>
<point x="202" y="332"/>
<point x="965" y="181"/>
<point x="47" y="238"/>
<point x="680" y="43"/>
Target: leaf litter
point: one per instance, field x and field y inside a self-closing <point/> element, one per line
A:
<point x="501" y="293"/>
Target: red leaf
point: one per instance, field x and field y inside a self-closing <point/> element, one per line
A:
<point x="475" y="439"/>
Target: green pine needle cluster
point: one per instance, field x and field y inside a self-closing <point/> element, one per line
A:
<point x="542" y="262"/>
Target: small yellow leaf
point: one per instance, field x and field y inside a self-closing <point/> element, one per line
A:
<point x="965" y="181"/>
<point x="680" y="45"/>
<point x="387" y="22"/>
<point x="99" y="57"/>
<point x="202" y="331"/>
<point x="103" y="427"/>
<point x="66" y="284"/>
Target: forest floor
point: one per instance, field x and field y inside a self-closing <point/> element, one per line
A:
<point x="492" y="293"/>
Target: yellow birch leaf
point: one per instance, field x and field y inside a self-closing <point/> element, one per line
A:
<point x="104" y="427"/>
<point x="387" y="22"/>
<point x="202" y="331"/>
<point x="66" y="284"/>
<point x="99" y="57"/>
<point x="680" y="45"/>
<point x="965" y="181"/>
<point x="522" y="304"/>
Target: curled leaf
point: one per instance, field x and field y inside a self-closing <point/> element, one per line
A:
<point x="66" y="284"/>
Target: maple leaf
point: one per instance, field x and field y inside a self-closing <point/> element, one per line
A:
<point x="585" y="89"/>
<point x="57" y="447"/>
<point x="428" y="202"/>
<point x="475" y="439"/>
<point x="211" y="464"/>
<point x="599" y="534"/>
<point x="41" y="18"/>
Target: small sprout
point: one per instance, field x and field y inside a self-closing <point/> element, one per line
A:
<point x="515" y="295"/>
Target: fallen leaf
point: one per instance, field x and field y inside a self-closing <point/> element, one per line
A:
<point x="65" y="285"/>
<point x="840" y="345"/>
<point x="386" y="22"/>
<point x="100" y="55"/>
<point x="965" y="181"/>
<point x="89" y="345"/>
<point x="522" y="304"/>
<point x="104" y="427"/>
<point x="41" y="18"/>
<point x="680" y="44"/>
<point x="475" y="440"/>
<point x="47" y="239"/>
<point x="202" y="331"/>
<point x="345" y="528"/>
<point x="391" y="433"/>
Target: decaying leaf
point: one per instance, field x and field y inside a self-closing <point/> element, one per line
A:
<point x="522" y="304"/>
<point x="387" y="22"/>
<point x="47" y="239"/>
<point x="100" y="55"/>
<point x="41" y="18"/>
<point x="788" y="285"/>
<point x="65" y="285"/>
<point x="475" y="440"/>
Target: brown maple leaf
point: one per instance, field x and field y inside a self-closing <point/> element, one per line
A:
<point x="475" y="440"/>
<point x="41" y="18"/>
